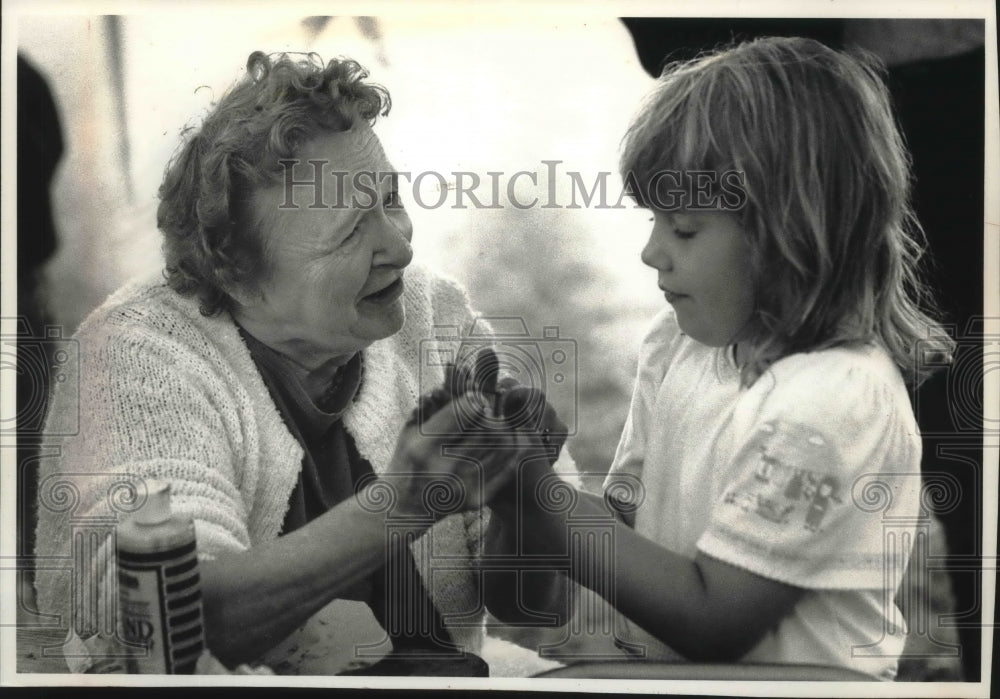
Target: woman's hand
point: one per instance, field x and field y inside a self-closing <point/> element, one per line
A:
<point x="453" y="458"/>
<point x="466" y="440"/>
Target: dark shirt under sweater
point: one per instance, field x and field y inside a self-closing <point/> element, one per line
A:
<point x="331" y="469"/>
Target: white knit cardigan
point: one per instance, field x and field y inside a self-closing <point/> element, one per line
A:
<point x="167" y="393"/>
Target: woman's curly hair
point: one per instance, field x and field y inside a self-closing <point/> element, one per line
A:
<point x="210" y="246"/>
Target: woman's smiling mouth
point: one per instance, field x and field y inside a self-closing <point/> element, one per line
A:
<point x="387" y="293"/>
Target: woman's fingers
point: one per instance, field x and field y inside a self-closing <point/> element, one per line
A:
<point x="464" y="417"/>
<point x="427" y="405"/>
<point x="460" y="442"/>
<point x="527" y="408"/>
<point x="522" y="407"/>
<point x="485" y="372"/>
<point x="452" y="448"/>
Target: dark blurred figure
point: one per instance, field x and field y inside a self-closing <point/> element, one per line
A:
<point x="662" y="40"/>
<point x="39" y="148"/>
<point x="936" y="75"/>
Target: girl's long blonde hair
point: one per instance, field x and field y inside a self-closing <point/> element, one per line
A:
<point x="827" y="181"/>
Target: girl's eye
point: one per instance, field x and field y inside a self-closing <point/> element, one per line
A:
<point x="684" y="235"/>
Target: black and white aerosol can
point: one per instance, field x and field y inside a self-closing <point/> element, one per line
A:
<point x="159" y="587"/>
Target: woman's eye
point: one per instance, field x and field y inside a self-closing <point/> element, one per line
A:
<point x="352" y="235"/>
<point x="684" y="235"/>
<point x="392" y="201"/>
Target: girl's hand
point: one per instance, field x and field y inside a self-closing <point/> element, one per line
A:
<point x="527" y="412"/>
<point x="524" y="523"/>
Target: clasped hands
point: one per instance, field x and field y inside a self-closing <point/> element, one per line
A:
<point x="477" y="439"/>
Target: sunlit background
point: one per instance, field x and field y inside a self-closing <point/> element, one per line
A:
<point x="488" y="94"/>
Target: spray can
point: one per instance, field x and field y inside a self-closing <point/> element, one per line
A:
<point x="159" y="587"/>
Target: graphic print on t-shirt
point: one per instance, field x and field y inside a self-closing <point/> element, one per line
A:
<point x="792" y="482"/>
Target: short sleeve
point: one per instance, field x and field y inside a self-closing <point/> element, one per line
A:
<point x="655" y="352"/>
<point x="165" y="414"/>
<point x="146" y="410"/>
<point x="824" y="489"/>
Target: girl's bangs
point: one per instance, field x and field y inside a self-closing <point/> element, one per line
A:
<point x="673" y="140"/>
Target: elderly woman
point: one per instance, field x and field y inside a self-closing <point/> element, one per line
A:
<point x="269" y="378"/>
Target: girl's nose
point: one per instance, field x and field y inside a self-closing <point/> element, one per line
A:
<point x="655" y="253"/>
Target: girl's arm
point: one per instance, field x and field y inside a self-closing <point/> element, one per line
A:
<point x="518" y="594"/>
<point x="703" y="608"/>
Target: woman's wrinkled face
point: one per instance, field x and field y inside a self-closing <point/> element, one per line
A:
<point x="704" y="269"/>
<point x="336" y="239"/>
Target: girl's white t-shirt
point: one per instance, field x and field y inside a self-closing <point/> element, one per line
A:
<point x="811" y="476"/>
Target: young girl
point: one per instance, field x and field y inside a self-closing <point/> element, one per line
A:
<point x="771" y="450"/>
